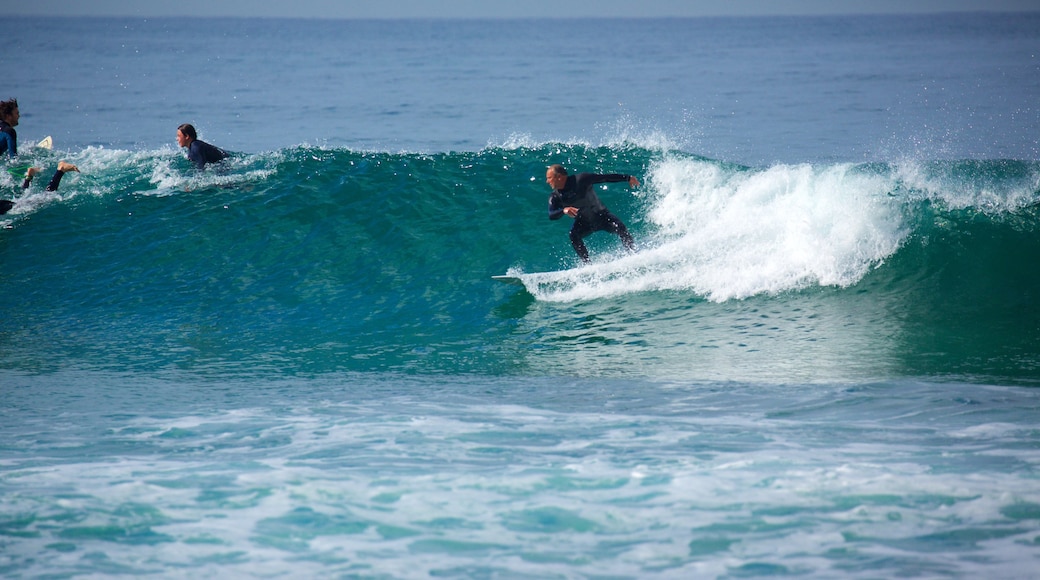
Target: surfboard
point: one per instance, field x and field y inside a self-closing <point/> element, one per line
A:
<point x="18" y="171"/>
<point x="514" y="280"/>
<point x="47" y="143"/>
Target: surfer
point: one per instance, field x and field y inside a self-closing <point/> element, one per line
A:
<point x="573" y="195"/>
<point x="9" y="116"/>
<point x="199" y="152"/>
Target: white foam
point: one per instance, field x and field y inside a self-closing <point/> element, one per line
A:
<point x="730" y="233"/>
<point x="104" y="171"/>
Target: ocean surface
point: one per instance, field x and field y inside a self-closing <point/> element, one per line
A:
<point x="823" y="360"/>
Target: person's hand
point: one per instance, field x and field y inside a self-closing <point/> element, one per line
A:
<point x="571" y="211"/>
<point x="65" y="167"/>
<point x="633" y="182"/>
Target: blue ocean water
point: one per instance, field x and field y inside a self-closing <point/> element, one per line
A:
<point x="823" y="360"/>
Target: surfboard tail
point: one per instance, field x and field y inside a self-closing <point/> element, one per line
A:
<point x="514" y="280"/>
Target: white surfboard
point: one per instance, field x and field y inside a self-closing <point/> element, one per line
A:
<point x="47" y="143"/>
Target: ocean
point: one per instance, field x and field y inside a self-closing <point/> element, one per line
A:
<point x="823" y="359"/>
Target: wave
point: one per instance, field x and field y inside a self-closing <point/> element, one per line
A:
<point x="385" y="258"/>
<point x="714" y="229"/>
<point x="722" y="230"/>
<point x="728" y="232"/>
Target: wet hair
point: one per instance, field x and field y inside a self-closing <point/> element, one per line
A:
<point x="8" y="107"/>
<point x="558" y="169"/>
<point x="188" y="131"/>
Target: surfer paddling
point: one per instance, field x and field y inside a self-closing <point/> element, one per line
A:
<point x="199" y="152"/>
<point x="572" y="195"/>
<point x="9" y="116"/>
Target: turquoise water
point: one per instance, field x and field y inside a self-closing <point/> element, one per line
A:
<point x="822" y="360"/>
<point x="287" y="262"/>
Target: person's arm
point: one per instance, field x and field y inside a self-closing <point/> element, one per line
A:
<point x="196" y="156"/>
<point x="555" y="207"/>
<point x="12" y="143"/>
<point x="611" y="178"/>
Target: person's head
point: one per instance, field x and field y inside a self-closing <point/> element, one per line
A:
<point x="556" y="176"/>
<point x="9" y="111"/>
<point x="186" y="134"/>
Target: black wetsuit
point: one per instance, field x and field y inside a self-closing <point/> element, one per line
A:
<point x="8" y="139"/>
<point x="593" y="216"/>
<point x="9" y="145"/>
<point x="200" y="153"/>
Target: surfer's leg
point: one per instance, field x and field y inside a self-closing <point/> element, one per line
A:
<point x="63" y="168"/>
<point x="612" y="224"/>
<point x="626" y="238"/>
<point x="55" y="180"/>
<point x="578" y="232"/>
<point x="5" y="206"/>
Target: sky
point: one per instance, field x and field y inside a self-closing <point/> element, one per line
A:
<point x="500" y="8"/>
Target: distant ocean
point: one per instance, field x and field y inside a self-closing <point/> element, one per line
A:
<point x="823" y="361"/>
